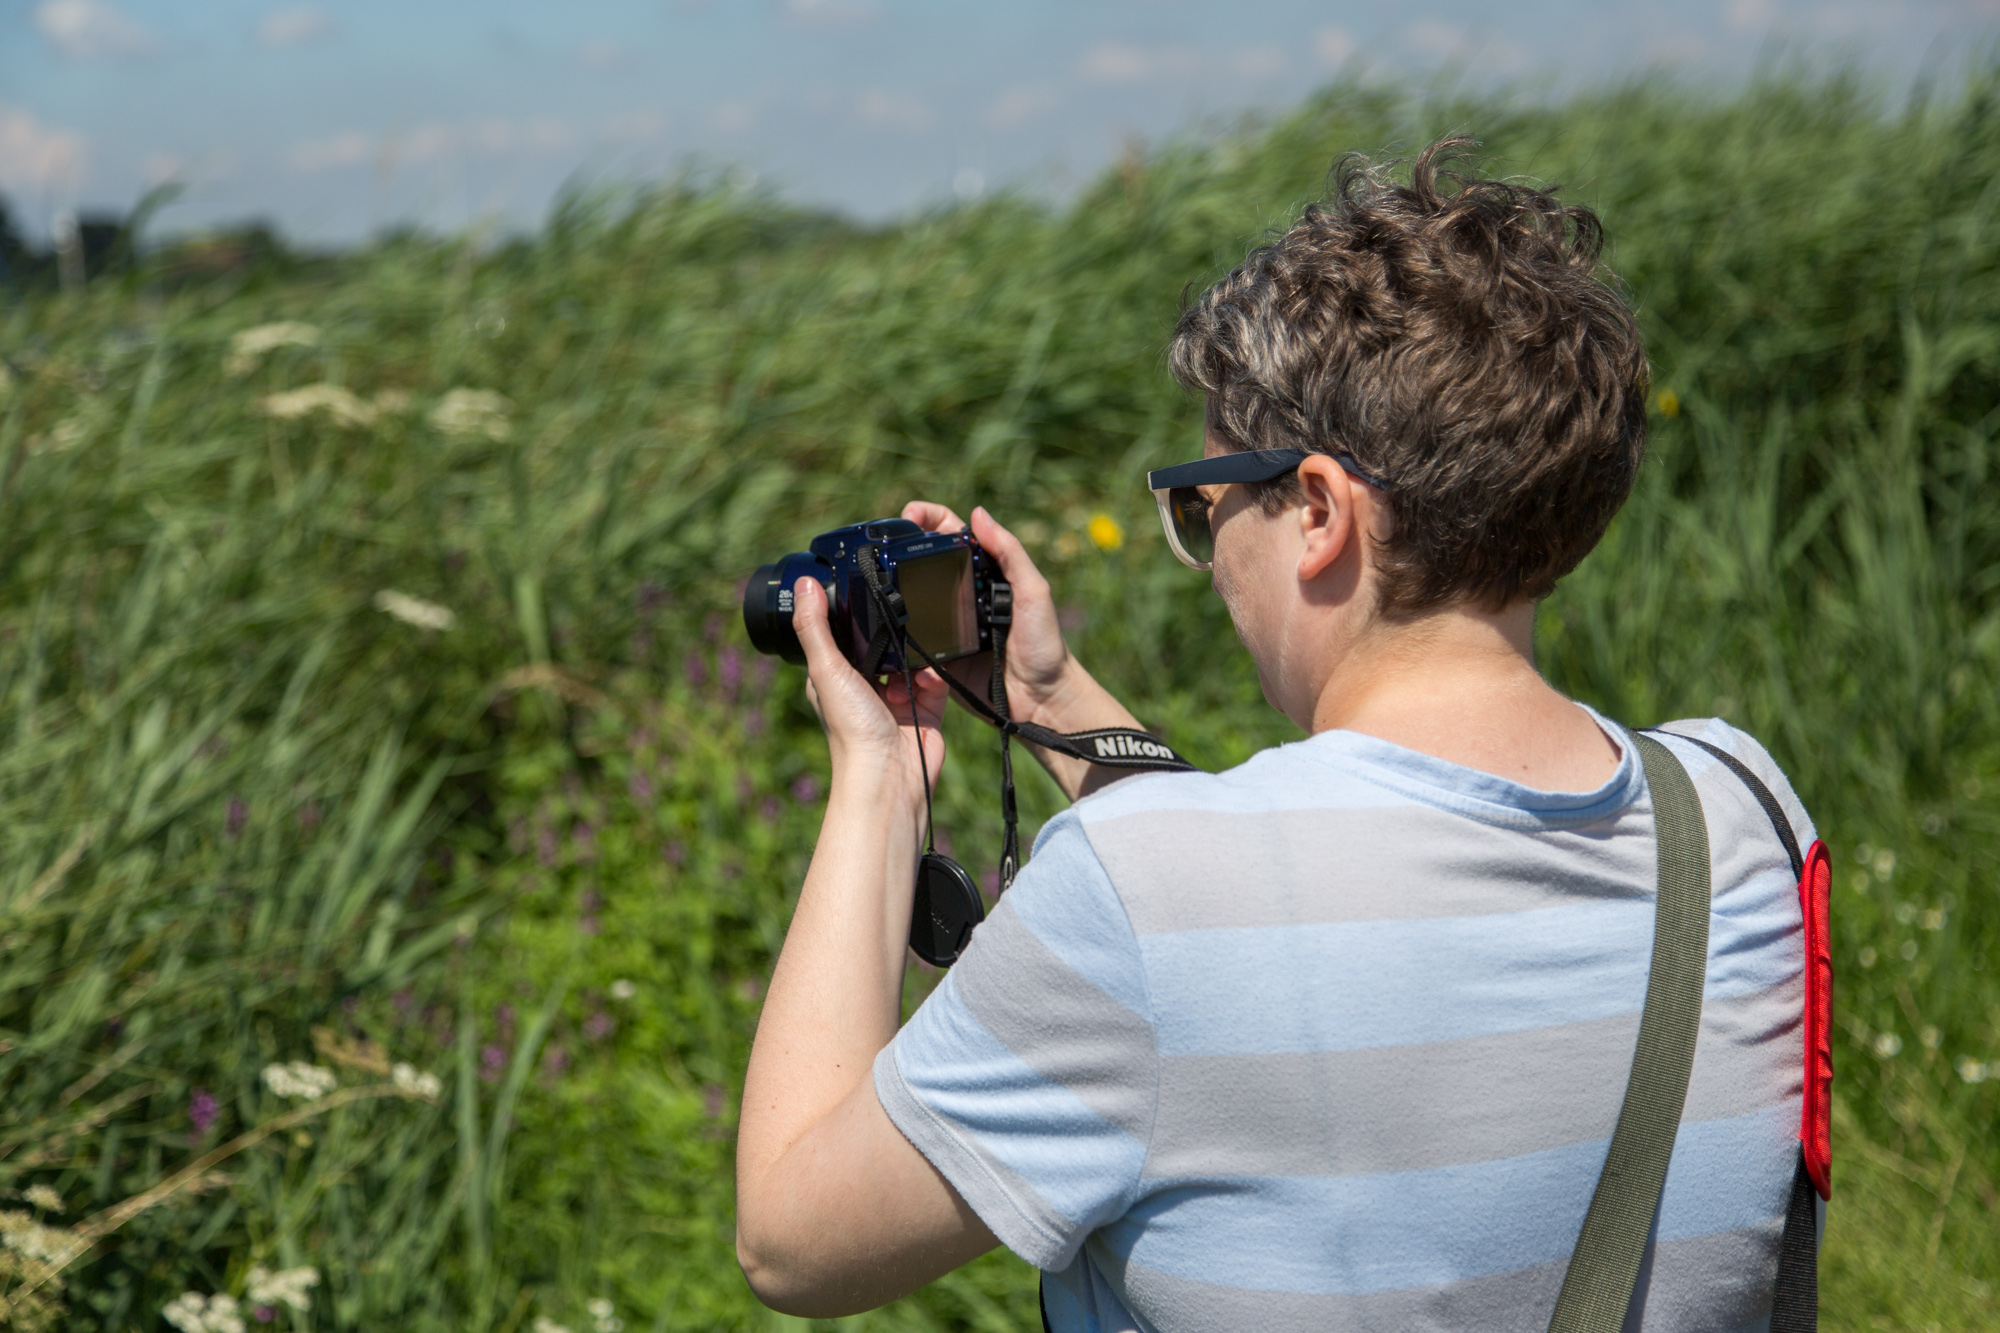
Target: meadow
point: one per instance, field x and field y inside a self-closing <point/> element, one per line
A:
<point x="373" y="699"/>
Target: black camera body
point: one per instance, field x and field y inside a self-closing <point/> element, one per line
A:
<point x="948" y="590"/>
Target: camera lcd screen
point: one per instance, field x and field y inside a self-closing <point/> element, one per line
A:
<point x="938" y="591"/>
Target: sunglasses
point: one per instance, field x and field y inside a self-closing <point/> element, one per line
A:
<point x="1185" y="515"/>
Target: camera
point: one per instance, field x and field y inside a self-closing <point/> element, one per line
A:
<point x="946" y="592"/>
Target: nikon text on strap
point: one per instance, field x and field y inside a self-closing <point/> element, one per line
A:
<point x="1603" y="1271"/>
<point x="947" y="904"/>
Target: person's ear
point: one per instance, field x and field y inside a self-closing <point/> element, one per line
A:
<point x="1328" y="522"/>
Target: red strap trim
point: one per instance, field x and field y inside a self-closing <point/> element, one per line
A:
<point x="1816" y="1116"/>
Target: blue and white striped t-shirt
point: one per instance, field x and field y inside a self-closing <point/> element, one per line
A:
<point x="1336" y="1040"/>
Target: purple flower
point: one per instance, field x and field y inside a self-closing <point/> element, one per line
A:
<point x="805" y="789"/>
<point x="545" y="845"/>
<point x="753" y="724"/>
<point x="764" y="672"/>
<point x="651" y="598"/>
<point x="696" y="669"/>
<point x="589" y="925"/>
<point x="711" y="627"/>
<point x="745" y="788"/>
<point x="403" y="999"/>
<point x="590" y="900"/>
<point x="599" y="1026"/>
<point x="770" y="809"/>
<point x="203" y="1110"/>
<point x="729" y="669"/>
<point x="555" y="1062"/>
<point x="503" y="1023"/>
<point x="990" y="881"/>
<point x="675" y="853"/>
<point x="265" y="1313"/>
<point x="584" y="838"/>
<point x="492" y="1061"/>
<point x="714" y="1101"/>
<point x="238" y="816"/>
<point x="641" y="787"/>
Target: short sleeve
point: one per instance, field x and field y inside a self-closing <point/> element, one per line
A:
<point x="1029" y="1076"/>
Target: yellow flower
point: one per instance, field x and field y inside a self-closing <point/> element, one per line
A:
<point x="1104" y="530"/>
<point x="1670" y="403"/>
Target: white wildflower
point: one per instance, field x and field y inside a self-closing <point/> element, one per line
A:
<point x="392" y="402"/>
<point x="622" y="989"/>
<point x="414" y="1082"/>
<point x="45" y="1198"/>
<point x="247" y="348"/>
<point x="28" y="1238"/>
<point x="1974" y="1071"/>
<point x="1887" y="1045"/>
<point x="192" y="1312"/>
<point x="473" y="412"/>
<point x="414" y="610"/>
<point x="340" y="403"/>
<point x="544" y="1324"/>
<point x="600" y="1314"/>
<point x="287" y="1286"/>
<point x="299" y="1079"/>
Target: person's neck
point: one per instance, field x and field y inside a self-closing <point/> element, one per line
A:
<point x="1460" y="684"/>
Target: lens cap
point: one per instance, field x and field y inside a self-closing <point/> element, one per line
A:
<point x="948" y="906"/>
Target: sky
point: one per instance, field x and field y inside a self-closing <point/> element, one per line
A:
<point x="337" y="120"/>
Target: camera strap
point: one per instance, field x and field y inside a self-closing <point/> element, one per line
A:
<point x="1110" y="747"/>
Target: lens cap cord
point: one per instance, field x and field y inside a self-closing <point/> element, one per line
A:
<point x="948" y="904"/>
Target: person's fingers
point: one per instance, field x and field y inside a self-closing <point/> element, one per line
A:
<point x="933" y="517"/>
<point x="1014" y="559"/>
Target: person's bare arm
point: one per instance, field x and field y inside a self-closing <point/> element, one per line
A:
<point x="1045" y="683"/>
<point x="836" y="1212"/>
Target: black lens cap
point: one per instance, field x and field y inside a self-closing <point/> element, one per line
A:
<point x="948" y="906"/>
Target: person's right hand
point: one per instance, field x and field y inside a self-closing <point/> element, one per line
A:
<point x="1037" y="657"/>
<point x="1045" y="683"/>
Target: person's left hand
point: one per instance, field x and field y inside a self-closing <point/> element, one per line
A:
<point x="870" y="728"/>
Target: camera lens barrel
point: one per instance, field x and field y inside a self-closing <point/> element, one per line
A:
<point x="767" y="604"/>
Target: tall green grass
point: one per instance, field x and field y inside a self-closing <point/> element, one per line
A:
<point x="547" y="853"/>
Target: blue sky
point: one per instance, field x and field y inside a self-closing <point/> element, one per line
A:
<point x="337" y="119"/>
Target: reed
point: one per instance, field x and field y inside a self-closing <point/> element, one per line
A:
<point x="371" y="690"/>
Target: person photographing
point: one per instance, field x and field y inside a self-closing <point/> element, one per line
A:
<point x="1339" y="1038"/>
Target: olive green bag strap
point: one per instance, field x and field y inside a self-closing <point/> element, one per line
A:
<point x="1597" y="1290"/>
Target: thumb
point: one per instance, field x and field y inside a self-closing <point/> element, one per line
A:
<point x="1014" y="560"/>
<point x="809" y="622"/>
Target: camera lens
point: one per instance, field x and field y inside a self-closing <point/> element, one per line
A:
<point x="767" y="605"/>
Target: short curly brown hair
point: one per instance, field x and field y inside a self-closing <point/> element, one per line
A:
<point x="1461" y="340"/>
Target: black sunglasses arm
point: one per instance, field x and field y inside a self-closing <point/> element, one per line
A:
<point x="1248" y="465"/>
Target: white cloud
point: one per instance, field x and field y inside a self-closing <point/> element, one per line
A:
<point x="603" y="56"/>
<point x="884" y="110"/>
<point x="732" y="117"/>
<point x="832" y="13"/>
<point x="1025" y="103"/>
<point x="1750" y="15"/>
<point x="1257" y="62"/>
<point x="340" y="150"/>
<point x="92" y="30"/>
<point x="639" y="125"/>
<point x="34" y="156"/>
<point x="1123" y="63"/>
<point x="1334" y="46"/>
<point x="1438" y="41"/>
<point x="294" y="26"/>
